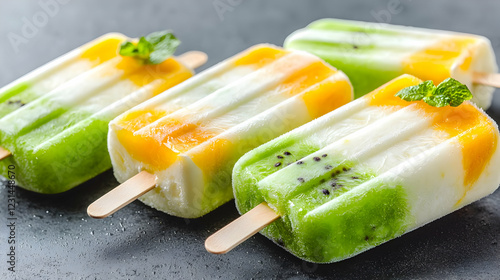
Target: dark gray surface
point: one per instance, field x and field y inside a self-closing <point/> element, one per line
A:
<point x="56" y="239"/>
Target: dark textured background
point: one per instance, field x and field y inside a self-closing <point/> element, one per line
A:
<point x="56" y="239"/>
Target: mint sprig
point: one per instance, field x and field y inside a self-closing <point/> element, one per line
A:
<point x="153" y="48"/>
<point x="450" y="92"/>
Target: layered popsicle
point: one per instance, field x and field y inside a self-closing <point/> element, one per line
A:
<point x="367" y="172"/>
<point x="54" y="120"/>
<point x="190" y="136"/>
<point x="374" y="53"/>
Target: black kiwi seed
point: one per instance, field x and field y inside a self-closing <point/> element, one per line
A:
<point x="355" y="177"/>
<point x="301" y="179"/>
<point x="326" y="192"/>
<point x="367" y="238"/>
<point x="18" y="102"/>
<point x="345" y="169"/>
<point x="280" y="156"/>
<point x="277" y="164"/>
<point x="333" y="184"/>
<point x="300" y="162"/>
<point x="328" y="167"/>
<point x="287" y="153"/>
<point x="324" y="155"/>
<point x="316" y="158"/>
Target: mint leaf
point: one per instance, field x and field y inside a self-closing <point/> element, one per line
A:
<point x="437" y="100"/>
<point x="127" y="49"/>
<point x="153" y="48"/>
<point x="417" y="92"/>
<point x="164" y="45"/>
<point x="456" y="92"/>
<point x="450" y="92"/>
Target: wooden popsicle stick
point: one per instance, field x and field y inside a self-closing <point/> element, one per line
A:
<point x="4" y="153"/>
<point x="122" y="195"/>
<point x="193" y="59"/>
<point x="240" y="229"/>
<point x="487" y="79"/>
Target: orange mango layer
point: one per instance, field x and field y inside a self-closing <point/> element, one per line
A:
<point x="102" y="51"/>
<point x="168" y="73"/>
<point x="434" y="63"/>
<point x="260" y="57"/>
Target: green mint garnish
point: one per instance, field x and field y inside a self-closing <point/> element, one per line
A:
<point x="450" y="92"/>
<point x="152" y="49"/>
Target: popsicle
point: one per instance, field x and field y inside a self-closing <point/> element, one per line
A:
<point x="185" y="154"/>
<point x="374" y="53"/>
<point x="362" y="175"/>
<point x="54" y="120"/>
